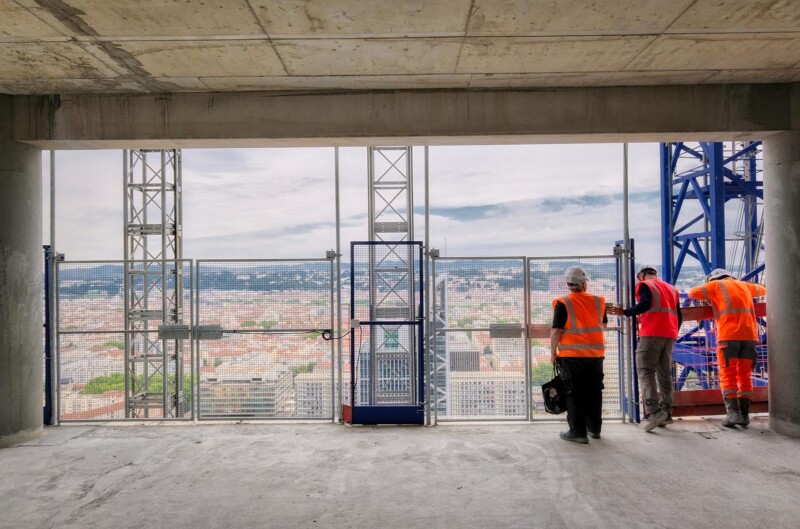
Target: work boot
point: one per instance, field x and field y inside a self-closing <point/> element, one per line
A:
<point x="732" y="417"/>
<point x="593" y="435"/>
<point x="570" y="436"/>
<point x="744" y="412"/>
<point x="668" y="420"/>
<point x="654" y="420"/>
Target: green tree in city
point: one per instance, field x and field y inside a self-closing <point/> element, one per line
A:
<point x="303" y="368"/>
<point x="541" y="373"/>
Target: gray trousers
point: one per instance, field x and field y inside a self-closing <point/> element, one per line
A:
<point x="654" y="367"/>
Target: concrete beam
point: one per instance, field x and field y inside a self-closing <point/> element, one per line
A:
<point x="642" y="113"/>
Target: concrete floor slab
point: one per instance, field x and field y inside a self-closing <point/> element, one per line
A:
<point x="51" y="46"/>
<point x="691" y="474"/>
<point x="739" y="15"/>
<point x="147" y="18"/>
<point x="355" y="18"/>
<point x="577" y="17"/>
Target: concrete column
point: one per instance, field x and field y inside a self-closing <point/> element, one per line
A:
<point x="781" y="206"/>
<point x="21" y="288"/>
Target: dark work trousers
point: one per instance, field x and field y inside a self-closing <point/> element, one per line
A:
<point x="583" y="378"/>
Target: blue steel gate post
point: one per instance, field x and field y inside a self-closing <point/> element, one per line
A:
<point x="48" y="334"/>
<point x="369" y="404"/>
<point x="421" y="367"/>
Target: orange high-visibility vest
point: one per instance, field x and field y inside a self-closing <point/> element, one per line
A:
<point x="732" y="303"/>
<point x="662" y="318"/>
<point x="583" y="334"/>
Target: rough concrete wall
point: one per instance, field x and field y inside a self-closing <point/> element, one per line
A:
<point x="21" y="288"/>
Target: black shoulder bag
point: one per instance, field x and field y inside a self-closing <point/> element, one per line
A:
<point x="555" y="393"/>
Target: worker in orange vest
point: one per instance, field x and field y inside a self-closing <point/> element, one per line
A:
<point x="577" y="346"/>
<point x="659" y="311"/>
<point x="737" y="335"/>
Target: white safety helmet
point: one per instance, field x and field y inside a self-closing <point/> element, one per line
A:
<point x="575" y="275"/>
<point x="647" y="268"/>
<point x="719" y="273"/>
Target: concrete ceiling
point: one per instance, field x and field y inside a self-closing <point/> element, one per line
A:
<point x="137" y="46"/>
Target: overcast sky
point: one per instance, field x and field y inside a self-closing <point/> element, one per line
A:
<point x="534" y="200"/>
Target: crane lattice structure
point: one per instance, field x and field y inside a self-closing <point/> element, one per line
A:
<point x="153" y="283"/>
<point x="388" y="378"/>
<point x="712" y="213"/>
<point x="700" y="186"/>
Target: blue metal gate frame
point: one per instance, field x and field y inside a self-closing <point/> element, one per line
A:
<point x="388" y="414"/>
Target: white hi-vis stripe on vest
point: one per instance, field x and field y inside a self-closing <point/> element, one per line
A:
<point x="582" y="346"/>
<point x="573" y="321"/>
<point x="727" y="297"/>
<point x="656" y="305"/>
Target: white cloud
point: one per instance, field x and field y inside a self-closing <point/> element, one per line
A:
<point x="279" y="203"/>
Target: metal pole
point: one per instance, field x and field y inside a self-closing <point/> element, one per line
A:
<point x="625" y="286"/>
<point x="526" y="303"/>
<point x="195" y="339"/>
<point x="165" y="395"/>
<point x="333" y="352"/>
<point x="410" y="190"/>
<point x="53" y="201"/>
<point x="126" y="282"/>
<point x="51" y="294"/>
<point x="435" y="366"/>
<point x="428" y="334"/>
<point x="338" y="282"/>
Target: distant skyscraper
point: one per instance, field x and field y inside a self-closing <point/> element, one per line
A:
<point x="313" y="395"/>
<point x="234" y="395"/>
<point x="495" y="394"/>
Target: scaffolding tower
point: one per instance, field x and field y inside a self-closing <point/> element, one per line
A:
<point x="154" y="285"/>
<point x="388" y="377"/>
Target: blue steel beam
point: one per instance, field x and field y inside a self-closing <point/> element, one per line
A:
<point x="708" y="184"/>
<point x="716" y="203"/>
<point x="667" y="226"/>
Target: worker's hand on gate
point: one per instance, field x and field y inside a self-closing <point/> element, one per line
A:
<point x="614" y="310"/>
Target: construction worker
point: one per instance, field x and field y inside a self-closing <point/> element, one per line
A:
<point x="737" y="335"/>
<point x="577" y="346"/>
<point x="659" y="311"/>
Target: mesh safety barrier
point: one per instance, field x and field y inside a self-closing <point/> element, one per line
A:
<point x="272" y="361"/>
<point x="478" y="344"/>
<point x="386" y="296"/>
<point x="94" y="345"/>
<point x="546" y="284"/>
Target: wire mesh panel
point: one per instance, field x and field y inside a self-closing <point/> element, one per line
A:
<point x="546" y="284"/>
<point x="275" y="359"/>
<point x="386" y="280"/>
<point x="479" y="348"/>
<point x="92" y="374"/>
<point x="385" y="366"/>
<point x="386" y="294"/>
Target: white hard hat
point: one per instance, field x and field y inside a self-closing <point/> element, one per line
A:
<point x="575" y="275"/>
<point x="718" y="273"/>
<point x="647" y="267"/>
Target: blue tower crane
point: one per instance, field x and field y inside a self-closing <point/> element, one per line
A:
<point x="712" y="213"/>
